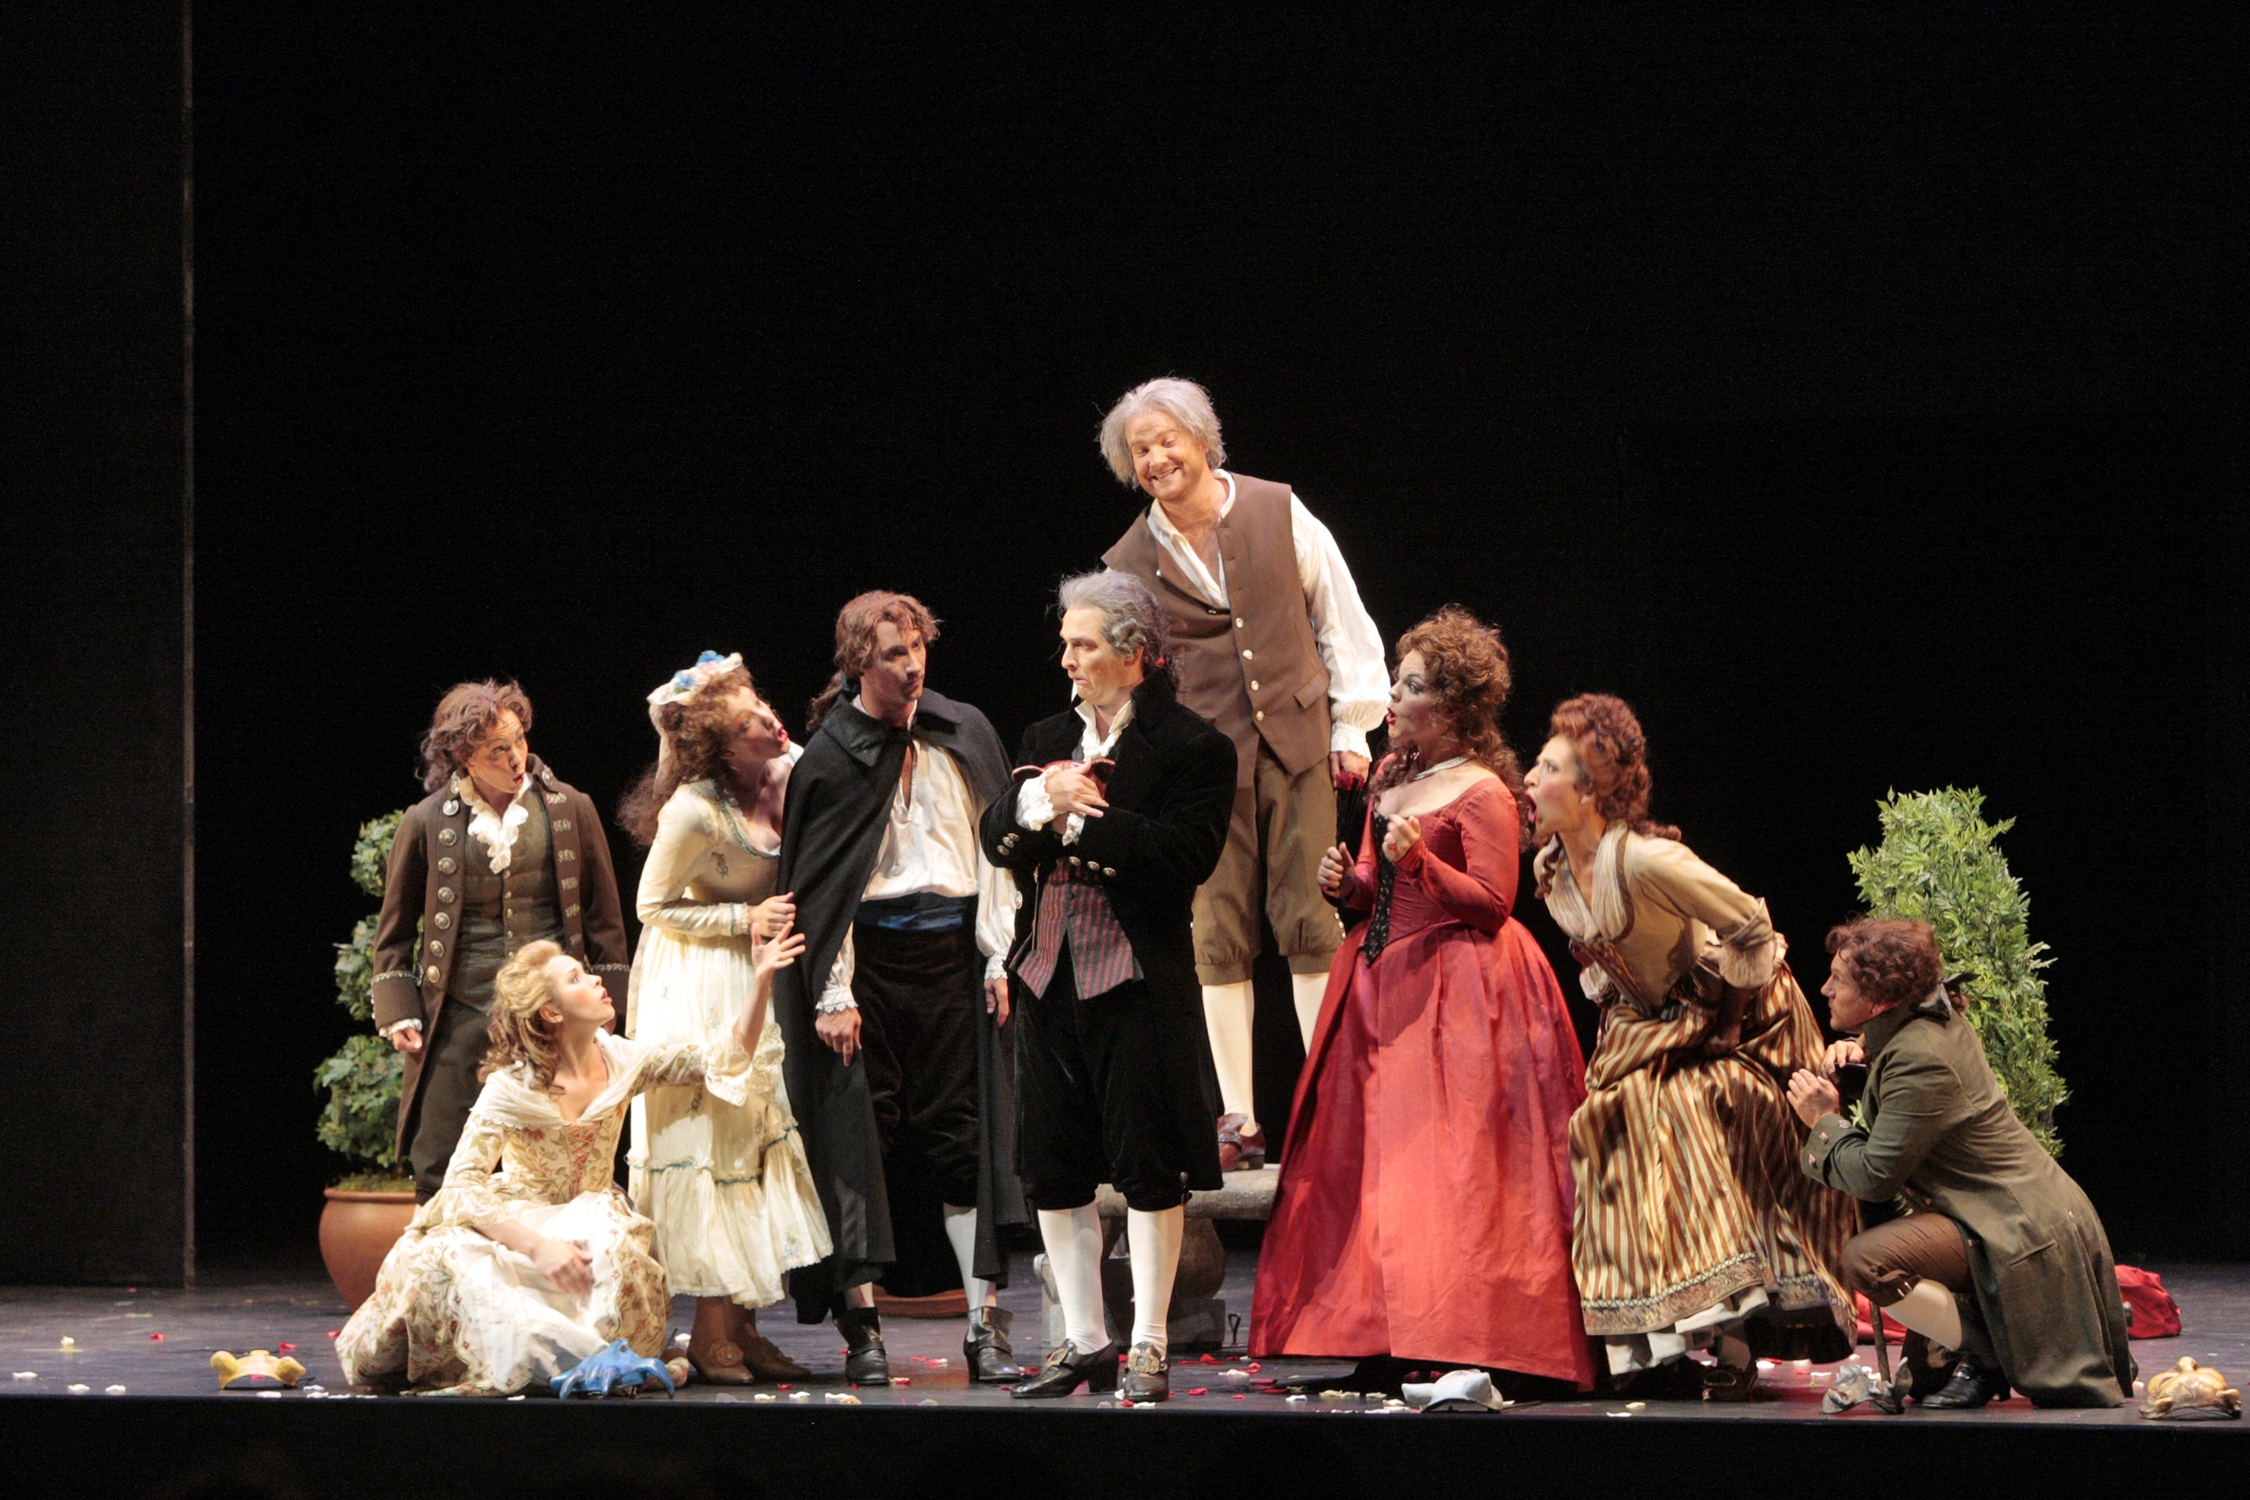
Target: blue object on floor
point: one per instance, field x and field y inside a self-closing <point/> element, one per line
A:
<point x="614" y="1371"/>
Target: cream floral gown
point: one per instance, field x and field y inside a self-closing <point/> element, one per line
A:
<point x="725" y="1181"/>
<point x="456" y="1313"/>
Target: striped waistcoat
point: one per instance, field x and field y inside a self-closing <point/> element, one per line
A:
<point x="1074" y="909"/>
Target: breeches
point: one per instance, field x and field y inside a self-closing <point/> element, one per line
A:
<point x="920" y="996"/>
<point x="448" y="1089"/>
<point x="1108" y="1091"/>
<point x="1883" y="1264"/>
<point x="1271" y="867"/>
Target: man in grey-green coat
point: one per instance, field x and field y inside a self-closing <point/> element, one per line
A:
<point x="2001" y="1257"/>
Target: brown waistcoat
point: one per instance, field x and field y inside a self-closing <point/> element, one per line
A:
<point x="1255" y="670"/>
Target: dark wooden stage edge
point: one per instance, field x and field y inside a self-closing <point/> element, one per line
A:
<point x="171" y="1432"/>
<point x="60" y="1447"/>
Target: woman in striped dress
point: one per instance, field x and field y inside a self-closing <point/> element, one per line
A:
<point x="1693" y="1228"/>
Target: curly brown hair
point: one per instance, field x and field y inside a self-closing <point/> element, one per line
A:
<point x="465" y="716"/>
<point x="855" y="642"/>
<point x="1612" y="754"/>
<point x="1468" y="667"/>
<point x="698" y="730"/>
<point x="1893" y="963"/>
<point x="515" y="1031"/>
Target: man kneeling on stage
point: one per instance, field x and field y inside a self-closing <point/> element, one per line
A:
<point x="1120" y="815"/>
<point x="2001" y="1258"/>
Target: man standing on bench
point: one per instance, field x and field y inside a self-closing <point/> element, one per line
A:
<point x="1273" y="646"/>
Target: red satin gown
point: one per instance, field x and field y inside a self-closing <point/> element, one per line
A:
<point x="1425" y="1200"/>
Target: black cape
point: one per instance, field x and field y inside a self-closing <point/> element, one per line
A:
<point x="831" y="830"/>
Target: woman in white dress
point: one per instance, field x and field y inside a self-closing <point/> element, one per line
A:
<point x="727" y="1184"/>
<point x="528" y="1259"/>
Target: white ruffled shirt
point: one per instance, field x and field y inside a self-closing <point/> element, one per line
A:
<point x="1035" y="809"/>
<point x="1359" y="689"/>
<point x="930" y="845"/>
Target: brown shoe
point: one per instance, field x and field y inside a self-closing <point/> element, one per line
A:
<point x="766" y="1361"/>
<point x="719" y="1363"/>
<point x="1731" y="1383"/>
<point x="1237" y="1151"/>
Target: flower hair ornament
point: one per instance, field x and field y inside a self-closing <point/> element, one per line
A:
<point x="679" y="688"/>
<point x="684" y="685"/>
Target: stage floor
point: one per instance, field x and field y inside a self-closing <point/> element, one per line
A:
<point x="154" y="1342"/>
<point x="170" y="1432"/>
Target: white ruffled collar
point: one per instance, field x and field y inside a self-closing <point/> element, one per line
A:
<point x="495" y="830"/>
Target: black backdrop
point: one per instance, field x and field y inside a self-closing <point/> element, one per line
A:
<point x="1852" y="397"/>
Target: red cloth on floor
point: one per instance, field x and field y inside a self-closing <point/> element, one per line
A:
<point x="2154" y="1315"/>
<point x="1425" y="1199"/>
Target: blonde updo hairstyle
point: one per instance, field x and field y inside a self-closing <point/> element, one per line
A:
<point x="517" y="1032"/>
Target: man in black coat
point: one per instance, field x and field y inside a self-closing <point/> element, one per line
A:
<point x="1120" y="813"/>
<point x="897" y="1065"/>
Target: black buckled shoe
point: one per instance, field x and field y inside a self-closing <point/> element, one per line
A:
<point x="1973" y="1384"/>
<point x="866" y="1362"/>
<point x="991" y="1357"/>
<point x="1148" y="1375"/>
<point x="1065" y="1368"/>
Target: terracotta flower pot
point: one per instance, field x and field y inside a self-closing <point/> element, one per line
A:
<point x="356" y="1231"/>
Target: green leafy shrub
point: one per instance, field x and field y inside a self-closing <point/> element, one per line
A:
<point x="359" y="1119"/>
<point x="1940" y="863"/>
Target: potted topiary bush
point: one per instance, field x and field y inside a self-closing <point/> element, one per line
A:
<point x="1940" y="863"/>
<point x="369" y="1206"/>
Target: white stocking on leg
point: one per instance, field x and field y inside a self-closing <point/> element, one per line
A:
<point x="1074" y="1255"/>
<point x="961" y="1229"/>
<point x="1154" y="1240"/>
<point x="1930" y="1310"/>
<point x="1226" y="1015"/>
<point x="1308" y="990"/>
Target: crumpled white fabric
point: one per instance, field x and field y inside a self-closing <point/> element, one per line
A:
<point x="1455" y="1385"/>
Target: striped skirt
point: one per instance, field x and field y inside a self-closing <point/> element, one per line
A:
<point x="1692" y="1217"/>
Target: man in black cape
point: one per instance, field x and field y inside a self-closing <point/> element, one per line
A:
<point x="899" y="1065"/>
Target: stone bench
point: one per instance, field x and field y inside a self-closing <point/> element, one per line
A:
<point x="1198" y="1317"/>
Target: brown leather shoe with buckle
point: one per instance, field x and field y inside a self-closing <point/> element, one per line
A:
<point x="720" y="1363"/>
<point x="1239" y="1151"/>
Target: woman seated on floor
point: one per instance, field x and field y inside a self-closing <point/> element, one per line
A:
<point x="2000" y="1259"/>
<point x="529" y="1258"/>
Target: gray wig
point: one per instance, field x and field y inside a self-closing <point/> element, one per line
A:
<point x="1183" y="401"/>
<point x="1131" y="618"/>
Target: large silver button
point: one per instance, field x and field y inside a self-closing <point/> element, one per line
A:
<point x="1241" y="624"/>
<point x="448" y="836"/>
<point x="445" y="894"/>
<point x="452" y="806"/>
<point x="1074" y="859"/>
<point x="1253" y="681"/>
<point x="443" y="919"/>
<point x="1106" y="870"/>
<point x="1259" y="715"/>
<point x="1246" y="653"/>
<point x="446" y="864"/>
<point x="437" y="948"/>
<point x="431" y="973"/>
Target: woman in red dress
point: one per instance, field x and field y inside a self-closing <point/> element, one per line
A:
<point x="1425" y="1201"/>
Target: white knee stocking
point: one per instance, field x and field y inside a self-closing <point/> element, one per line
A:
<point x="1929" y="1309"/>
<point x="1154" y="1240"/>
<point x="961" y="1229"/>
<point x="1308" y="990"/>
<point x="1074" y="1255"/>
<point x="1226" y="1015"/>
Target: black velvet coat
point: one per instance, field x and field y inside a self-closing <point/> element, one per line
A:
<point x="832" y="825"/>
<point x="1170" y="797"/>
